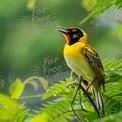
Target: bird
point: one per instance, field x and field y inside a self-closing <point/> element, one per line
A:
<point x="83" y="60"/>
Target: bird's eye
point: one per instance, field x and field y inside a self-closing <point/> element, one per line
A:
<point x="74" y="30"/>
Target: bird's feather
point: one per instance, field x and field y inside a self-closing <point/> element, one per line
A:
<point x="95" y="62"/>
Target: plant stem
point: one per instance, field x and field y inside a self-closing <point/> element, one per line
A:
<point x="30" y="97"/>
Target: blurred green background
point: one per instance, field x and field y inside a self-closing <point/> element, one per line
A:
<point x="30" y="44"/>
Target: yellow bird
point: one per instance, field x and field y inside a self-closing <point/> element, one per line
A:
<point x="85" y="62"/>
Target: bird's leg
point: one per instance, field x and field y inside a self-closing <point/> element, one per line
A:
<point x="76" y="82"/>
<point x="90" y="99"/>
<point x="88" y="86"/>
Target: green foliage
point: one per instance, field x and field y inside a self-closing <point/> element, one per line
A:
<point x="10" y="110"/>
<point x="60" y="109"/>
<point x="31" y="81"/>
<point x="52" y="112"/>
<point x="98" y="7"/>
<point x="16" y="89"/>
<point x="22" y="45"/>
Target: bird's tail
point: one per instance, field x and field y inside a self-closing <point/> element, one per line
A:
<point x="99" y="101"/>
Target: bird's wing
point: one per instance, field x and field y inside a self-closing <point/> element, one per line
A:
<point x="95" y="62"/>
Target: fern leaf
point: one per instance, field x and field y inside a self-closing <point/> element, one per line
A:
<point x="56" y="89"/>
<point x="60" y="108"/>
<point x="57" y="110"/>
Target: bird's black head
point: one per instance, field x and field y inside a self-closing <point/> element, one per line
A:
<point x="72" y="34"/>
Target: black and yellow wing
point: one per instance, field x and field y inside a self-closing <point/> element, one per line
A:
<point x="95" y="62"/>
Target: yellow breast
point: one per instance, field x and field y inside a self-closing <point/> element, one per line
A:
<point x="77" y="61"/>
<point x="73" y="50"/>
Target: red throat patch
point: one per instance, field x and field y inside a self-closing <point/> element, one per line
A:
<point x="67" y="37"/>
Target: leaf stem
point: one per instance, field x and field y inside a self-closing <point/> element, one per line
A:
<point x="30" y="97"/>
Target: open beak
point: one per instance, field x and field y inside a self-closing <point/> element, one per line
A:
<point x="63" y="30"/>
<point x="66" y="33"/>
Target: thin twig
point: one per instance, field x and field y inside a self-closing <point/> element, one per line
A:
<point x="74" y="100"/>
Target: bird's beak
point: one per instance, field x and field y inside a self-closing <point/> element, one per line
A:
<point x="66" y="33"/>
<point x="63" y="30"/>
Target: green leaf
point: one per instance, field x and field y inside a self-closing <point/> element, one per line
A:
<point x="22" y="115"/>
<point x="55" y="90"/>
<point x="119" y="3"/>
<point x="9" y="109"/>
<point x="99" y="7"/>
<point x="18" y="111"/>
<point x="4" y="114"/>
<point x="115" y="108"/>
<point x="39" y="118"/>
<point x="16" y="89"/>
<point x="119" y="98"/>
<point x="33" y="82"/>
<point x="7" y="102"/>
<point x="44" y="83"/>
<point x="53" y="111"/>
<point x="112" y="118"/>
<point x="88" y="106"/>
